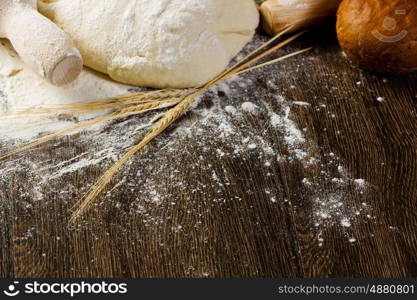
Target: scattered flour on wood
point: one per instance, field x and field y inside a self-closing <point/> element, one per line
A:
<point x="222" y="123"/>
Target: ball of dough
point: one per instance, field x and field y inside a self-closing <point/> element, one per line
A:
<point x="379" y="35"/>
<point x="156" y="43"/>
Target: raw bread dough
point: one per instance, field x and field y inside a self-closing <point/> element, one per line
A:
<point x="156" y="43"/>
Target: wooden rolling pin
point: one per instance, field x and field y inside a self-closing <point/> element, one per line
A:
<point x="39" y="42"/>
<point x="278" y="14"/>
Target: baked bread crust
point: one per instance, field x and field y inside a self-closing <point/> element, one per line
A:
<point x="379" y="35"/>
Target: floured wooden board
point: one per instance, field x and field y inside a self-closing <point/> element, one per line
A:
<point x="305" y="168"/>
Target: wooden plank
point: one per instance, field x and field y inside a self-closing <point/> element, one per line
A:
<point x="184" y="209"/>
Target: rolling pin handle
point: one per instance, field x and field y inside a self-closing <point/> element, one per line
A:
<point x="43" y="46"/>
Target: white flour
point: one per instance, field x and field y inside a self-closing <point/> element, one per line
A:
<point x="20" y="88"/>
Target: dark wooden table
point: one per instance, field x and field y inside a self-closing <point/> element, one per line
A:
<point x="249" y="219"/>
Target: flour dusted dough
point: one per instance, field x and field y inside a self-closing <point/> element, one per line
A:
<point x="156" y="43"/>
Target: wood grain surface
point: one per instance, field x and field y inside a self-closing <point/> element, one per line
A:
<point x="194" y="234"/>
